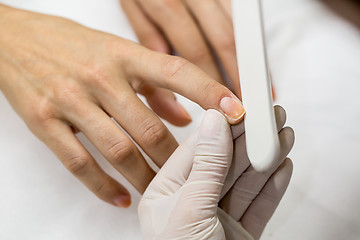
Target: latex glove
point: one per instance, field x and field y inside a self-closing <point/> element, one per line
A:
<point x="195" y="29"/>
<point x="251" y="197"/>
<point x="182" y="200"/>
<point x="75" y="79"/>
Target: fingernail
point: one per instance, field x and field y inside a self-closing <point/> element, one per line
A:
<point x="122" y="201"/>
<point x="232" y="108"/>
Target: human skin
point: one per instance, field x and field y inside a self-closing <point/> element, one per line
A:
<point x="166" y="25"/>
<point x="348" y="9"/>
<point x="61" y="78"/>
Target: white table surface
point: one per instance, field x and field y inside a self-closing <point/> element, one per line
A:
<point x="315" y="63"/>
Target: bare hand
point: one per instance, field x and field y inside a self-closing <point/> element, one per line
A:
<point x="194" y="28"/>
<point x="62" y="77"/>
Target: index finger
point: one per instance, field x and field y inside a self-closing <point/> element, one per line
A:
<point x="184" y="78"/>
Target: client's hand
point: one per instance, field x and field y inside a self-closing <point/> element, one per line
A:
<point x="182" y="201"/>
<point x="62" y="77"/>
<point x="196" y="30"/>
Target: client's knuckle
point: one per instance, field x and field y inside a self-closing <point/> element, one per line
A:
<point x="42" y="113"/>
<point x="173" y="65"/>
<point x="121" y="152"/>
<point x="67" y="94"/>
<point x="164" y="6"/>
<point x="155" y="133"/>
<point x="78" y="164"/>
<point x="100" y="187"/>
<point x="97" y="75"/>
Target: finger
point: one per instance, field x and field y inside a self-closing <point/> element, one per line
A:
<point x="241" y="161"/>
<point x="239" y="164"/>
<point x="186" y="79"/>
<point x="226" y="7"/>
<point x="173" y="175"/>
<point x="249" y="184"/>
<point x="172" y="16"/>
<point x="164" y="104"/>
<point x="114" y="145"/>
<point x="232" y="228"/>
<point x="61" y="140"/>
<point x="146" y="31"/>
<point x="280" y="116"/>
<point x="237" y="130"/>
<point x="221" y="38"/>
<point x="212" y="160"/>
<point x="263" y="207"/>
<point x="139" y="122"/>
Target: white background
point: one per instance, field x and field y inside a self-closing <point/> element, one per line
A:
<point x="315" y="63"/>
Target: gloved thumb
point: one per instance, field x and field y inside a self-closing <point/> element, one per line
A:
<point x="212" y="159"/>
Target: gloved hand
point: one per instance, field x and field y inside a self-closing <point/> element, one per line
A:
<point x="182" y="200"/>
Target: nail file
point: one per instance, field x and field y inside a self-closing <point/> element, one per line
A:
<point x="262" y="141"/>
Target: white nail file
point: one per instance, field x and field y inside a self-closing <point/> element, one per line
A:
<point x="262" y="141"/>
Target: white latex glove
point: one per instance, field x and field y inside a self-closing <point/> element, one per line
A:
<point x="182" y="200"/>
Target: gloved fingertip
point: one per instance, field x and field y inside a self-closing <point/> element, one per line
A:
<point x="287" y="137"/>
<point x="213" y="123"/>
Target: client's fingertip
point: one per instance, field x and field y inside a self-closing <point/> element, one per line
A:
<point x="163" y="102"/>
<point x="185" y="116"/>
<point x="122" y="200"/>
<point x="175" y="114"/>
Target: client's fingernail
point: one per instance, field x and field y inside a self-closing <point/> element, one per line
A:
<point x="232" y="108"/>
<point x="122" y="201"/>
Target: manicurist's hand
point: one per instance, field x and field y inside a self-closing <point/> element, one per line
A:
<point x="195" y="29"/>
<point x="62" y="77"/>
<point x="208" y="190"/>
